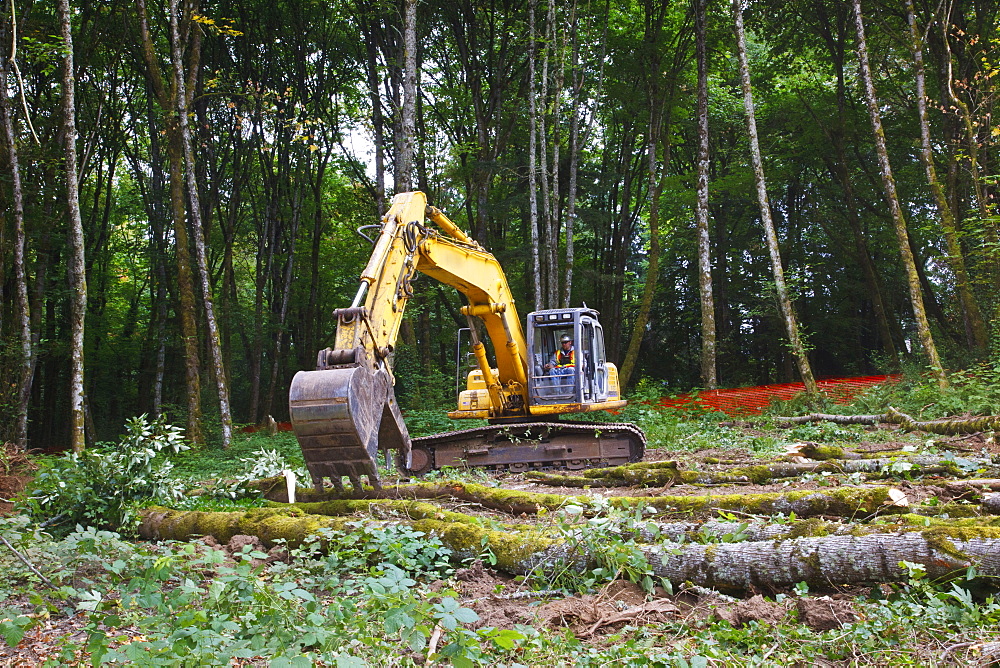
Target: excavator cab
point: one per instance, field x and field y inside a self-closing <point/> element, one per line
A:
<point x="584" y="379"/>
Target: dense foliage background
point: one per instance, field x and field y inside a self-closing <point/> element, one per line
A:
<point x="294" y="113"/>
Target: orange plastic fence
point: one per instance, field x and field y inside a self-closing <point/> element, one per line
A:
<point x="751" y="400"/>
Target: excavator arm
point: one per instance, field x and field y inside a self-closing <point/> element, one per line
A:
<point x="346" y="410"/>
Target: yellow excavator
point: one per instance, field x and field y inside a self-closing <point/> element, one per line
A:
<point x="345" y="411"/>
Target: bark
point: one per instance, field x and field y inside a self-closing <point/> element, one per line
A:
<point x="899" y="223"/>
<point x="75" y="262"/>
<point x="975" y="326"/>
<point x="770" y="236"/>
<point x="183" y="102"/>
<point x="709" y="378"/>
<point x="824" y="560"/>
<point x="404" y="167"/>
<point x="536" y="267"/>
<point x="23" y="310"/>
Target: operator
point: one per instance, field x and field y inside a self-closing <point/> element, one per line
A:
<point x="564" y="359"/>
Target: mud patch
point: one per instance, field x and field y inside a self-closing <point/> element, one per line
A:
<point x="824" y="613"/>
<point x="756" y="609"/>
<point x="618" y="604"/>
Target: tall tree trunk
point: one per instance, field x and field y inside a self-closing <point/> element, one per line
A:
<point x="167" y="99"/>
<point x="194" y="211"/>
<point x="770" y="236"/>
<point x="889" y="184"/>
<point x="404" y="166"/>
<point x="975" y="327"/>
<point x="377" y="124"/>
<point x="75" y="261"/>
<point x="653" y="268"/>
<point x="286" y="298"/>
<point x="709" y="379"/>
<point x="536" y="268"/>
<point x="554" y="205"/>
<point x="574" y="157"/>
<point x="20" y="275"/>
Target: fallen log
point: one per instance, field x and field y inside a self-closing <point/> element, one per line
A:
<point x="845" y="501"/>
<point x="635" y="475"/>
<point x="948" y="427"/>
<point x="826" y="560"/>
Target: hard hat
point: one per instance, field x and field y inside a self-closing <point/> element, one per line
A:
<point x="566" y="339"/>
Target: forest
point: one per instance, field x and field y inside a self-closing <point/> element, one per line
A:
<point x="182" y="182"/>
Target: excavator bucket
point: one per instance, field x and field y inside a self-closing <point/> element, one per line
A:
<point x="342" y="417"/>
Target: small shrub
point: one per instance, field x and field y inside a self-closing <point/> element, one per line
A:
<point x="103" y="486"/>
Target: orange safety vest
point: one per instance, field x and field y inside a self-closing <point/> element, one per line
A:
<point x="564" y="359"/>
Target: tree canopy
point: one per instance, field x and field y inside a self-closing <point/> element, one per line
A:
<point x="226" y="151"/>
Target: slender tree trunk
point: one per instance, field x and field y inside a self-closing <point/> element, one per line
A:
<point x="771" y="237"/>
<point x="75" y="261"/>
<point x="709" y="379"/>
<point x="404" y="167"/>
<point x="902" y="236"/>
<point x="975" y="327"/>
<point x="286" y="298"/>
<point x="653" y="268"/>
<point x="194" y="215"/>
<point x="532" y="166"/>
<point x="972" y="142"/>
<point x="377" y="126"/>
<point x="23" y="308"/>
<point x="167" y="99"/>
<point x="548" y="272"/>
<point x="20" y="275"/>
<point x="574" y="157"/>
<point x="554" y="205"/>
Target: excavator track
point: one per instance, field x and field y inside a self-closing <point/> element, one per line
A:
<point x="529" y="445"/>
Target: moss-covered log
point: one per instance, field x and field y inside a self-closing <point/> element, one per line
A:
<point x="949" y="427"/>
<point x="823" y="560"/>
<point x="636" y="475"/>
<point x="855" y="502"/>
<point x="832" y="560"/>
<point x="512" y="502"/>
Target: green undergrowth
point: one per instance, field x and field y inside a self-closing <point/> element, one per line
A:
<point x="377" y="595"/>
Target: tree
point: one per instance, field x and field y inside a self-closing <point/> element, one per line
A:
<point x="771" y="238"/>
<point x="75" y="264"/>
<point x="404" y="166"/>
<point x="183" y="102"/>
<point x="7" y="35"/>
<point x="899" y="223"/>
<point x="709" y="378"/>
<point x="975" y="327"/>
<point x="166" y="96"/>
